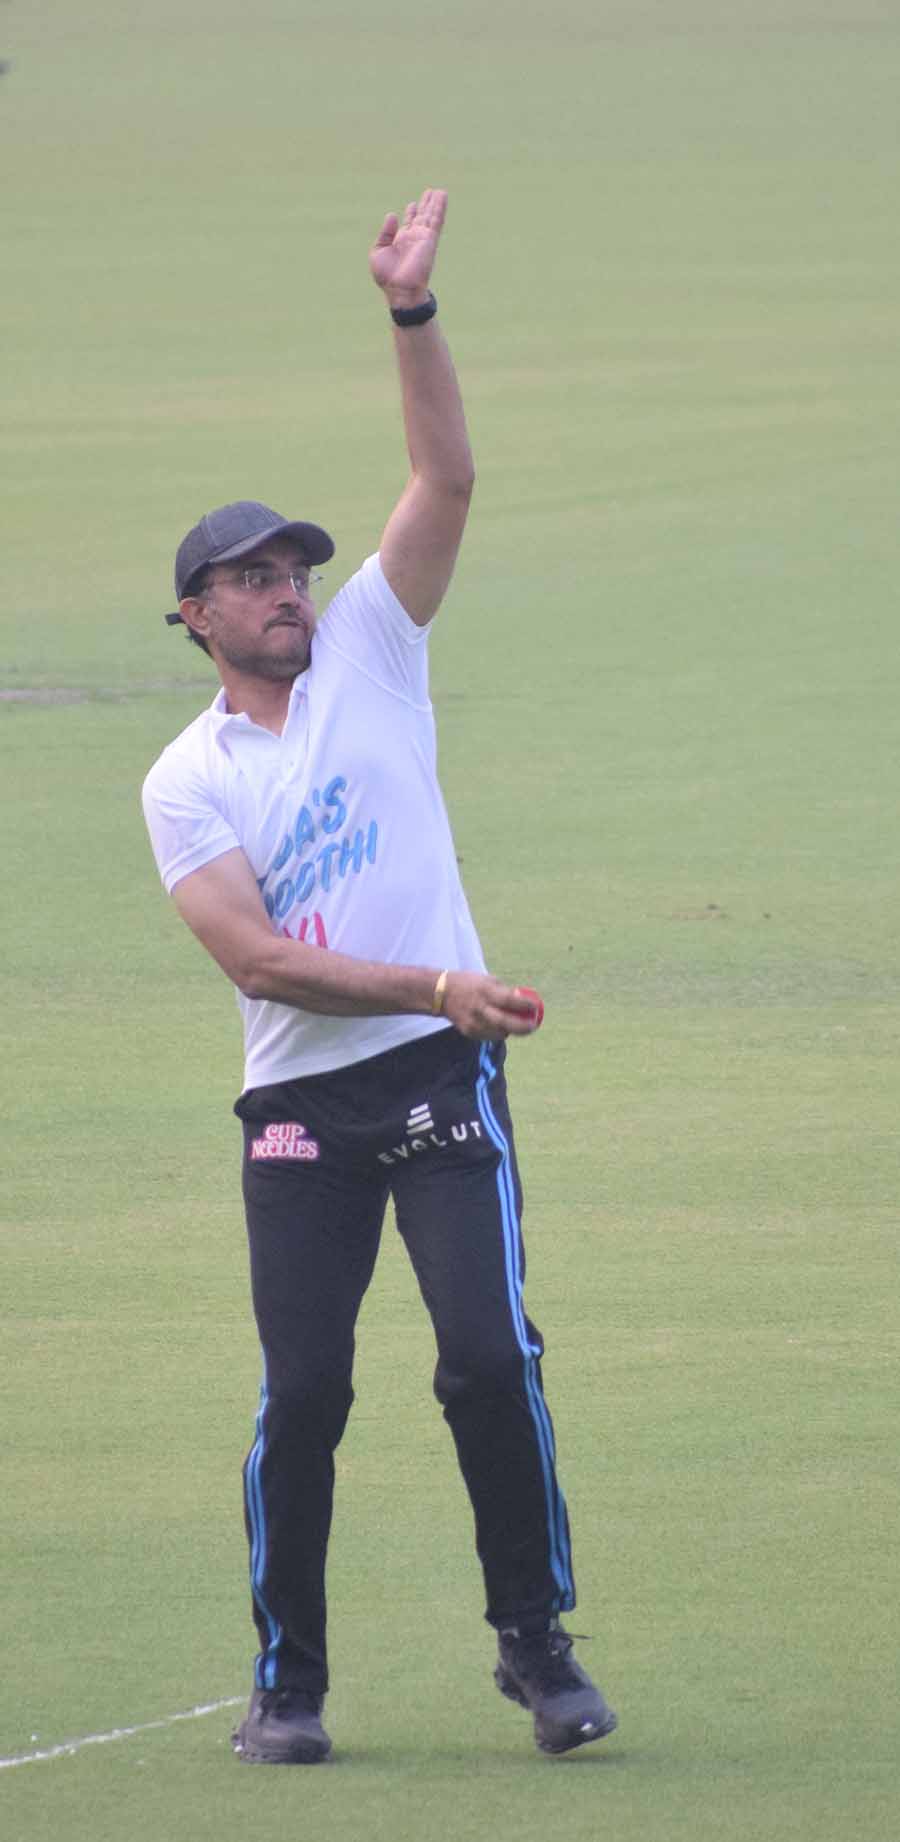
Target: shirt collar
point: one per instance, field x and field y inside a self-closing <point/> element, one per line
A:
<point x="223" y="718"/>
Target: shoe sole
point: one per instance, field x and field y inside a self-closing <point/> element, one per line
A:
<point x="579" y="1736"/>
<point x="312" y="1754"/>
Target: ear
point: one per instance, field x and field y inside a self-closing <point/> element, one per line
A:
<point x="194" y="613"/>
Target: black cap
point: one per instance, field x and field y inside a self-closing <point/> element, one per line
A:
<point x="233" y="530"/>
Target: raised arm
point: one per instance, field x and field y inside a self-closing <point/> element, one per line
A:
<point x="222" y="906"/>
<point x="423" y="533"/>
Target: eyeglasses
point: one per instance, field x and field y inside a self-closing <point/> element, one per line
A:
<point x="262" y="579"/>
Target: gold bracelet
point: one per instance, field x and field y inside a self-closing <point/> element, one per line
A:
<point x="437" y="1002"/>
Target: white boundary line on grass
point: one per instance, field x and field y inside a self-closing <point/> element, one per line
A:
<point x="66" y="1748"/>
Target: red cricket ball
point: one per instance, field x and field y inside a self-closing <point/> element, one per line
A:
<point x="527" y="991"/>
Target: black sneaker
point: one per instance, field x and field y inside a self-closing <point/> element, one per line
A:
<point x="540" y="1673"/>
<point x="282" y="1727"/>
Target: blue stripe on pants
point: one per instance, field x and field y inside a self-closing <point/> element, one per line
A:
<point x="266" y="1662"/>
<point x="560" y="1553"/>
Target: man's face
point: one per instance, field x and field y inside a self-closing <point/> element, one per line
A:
<point x="254" y="618"/>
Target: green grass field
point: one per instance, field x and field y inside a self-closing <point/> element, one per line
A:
<point x="666" y="687"/>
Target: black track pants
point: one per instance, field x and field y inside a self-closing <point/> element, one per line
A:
<point x="429" y="1123"/>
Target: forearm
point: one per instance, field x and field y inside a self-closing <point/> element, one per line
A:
<point x="285" y="971"/>
<point x="334" y="985"/>
<point x="436" y="435"/>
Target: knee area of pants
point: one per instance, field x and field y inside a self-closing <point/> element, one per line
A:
<point x="479" y="1372"/>
<point x="322" y="1399"/>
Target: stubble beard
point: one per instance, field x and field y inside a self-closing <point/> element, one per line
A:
<point x="253" y="661"/>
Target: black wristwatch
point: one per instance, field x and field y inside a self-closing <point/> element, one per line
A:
<point x="415" y="316"/>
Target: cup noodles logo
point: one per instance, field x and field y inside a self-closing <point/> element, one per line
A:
<point x="287" y="1140"/>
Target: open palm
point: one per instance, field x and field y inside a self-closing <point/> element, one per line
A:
<point x="402" y="256"/>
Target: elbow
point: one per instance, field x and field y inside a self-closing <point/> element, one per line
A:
<point x="252" y="978"/>
<point x="456" y="491"/>
<point x="454" y="483"/>
<point x="254" y="982"/>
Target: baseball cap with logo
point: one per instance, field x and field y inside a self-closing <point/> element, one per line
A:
<point x="232" y="531"/>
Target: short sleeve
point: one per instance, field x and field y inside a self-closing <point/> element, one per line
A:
<point x="370" y="628"/>
<point x="186" y="827"/>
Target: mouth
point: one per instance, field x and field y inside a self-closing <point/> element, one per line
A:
<point x="285" y="620"/>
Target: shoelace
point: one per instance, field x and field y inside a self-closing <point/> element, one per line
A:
<point x="545" y="1662"/>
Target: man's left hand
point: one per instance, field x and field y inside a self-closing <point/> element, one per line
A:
<point x="402" y="257"/>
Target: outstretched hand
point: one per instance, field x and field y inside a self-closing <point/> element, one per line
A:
<point x="402" y="256"/>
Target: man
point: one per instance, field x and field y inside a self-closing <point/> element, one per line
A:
<point x="299" y="826"/>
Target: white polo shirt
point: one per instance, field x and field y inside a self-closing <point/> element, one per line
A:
<point x="342" y="820"/>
